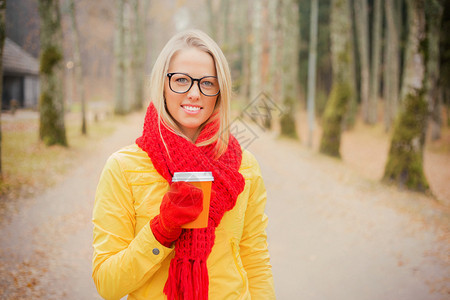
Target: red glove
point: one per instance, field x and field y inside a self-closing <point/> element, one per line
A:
<point x="181" y="204"/>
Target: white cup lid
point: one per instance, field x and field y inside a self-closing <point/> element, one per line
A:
<point x="192" y="176"/>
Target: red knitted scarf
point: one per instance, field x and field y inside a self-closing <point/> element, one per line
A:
<point x="188" y="274"/>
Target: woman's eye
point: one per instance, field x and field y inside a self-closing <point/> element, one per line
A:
<point x="208" y="83"/>
<point x="181" y="80"/>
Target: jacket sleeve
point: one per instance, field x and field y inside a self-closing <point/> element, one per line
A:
<point x="253" y="246"/>
<point x="122" y="260"/>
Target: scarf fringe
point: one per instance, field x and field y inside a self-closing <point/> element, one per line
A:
<point x="188" y="279"/>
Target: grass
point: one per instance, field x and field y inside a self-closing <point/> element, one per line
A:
<point x="28" y="166"/>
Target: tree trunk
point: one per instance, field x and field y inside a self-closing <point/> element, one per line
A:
<point x="375" y="64"/>
<point x="405" y="161"/>
<point x="245" y="78"/>
<point x="225" y="16"/>
<point x="134" y="32"/>
<point x="234" y="49"/>
<point x="353" y="105"/>
<point x="139" y="49"/>
<point x="444" y="58"/>
<point x="233" y="33"/>
<point x="312" y="65"/>
<point x="361" y="17"/>
<point x="51" y="126"/>
<point x="78" y="66"/>
<point x="341" y="93"/>
<point x="213" y="17"/>
<point x="391" y="63"/>
<point x="274" y="54"/>
<point x="2" y="43"/>
<point x="119" y="53"/>
<point x="290" y="27"/>
<point x="129" y="83"/>
<point x="256" y="56"/>
<point x="433" y="14"/>
<point x="274" y="49"/>
<point x="145" y="25"/>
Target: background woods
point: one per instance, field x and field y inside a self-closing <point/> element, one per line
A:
<point x="335" y="98"/>
<point x="383" y="63"/>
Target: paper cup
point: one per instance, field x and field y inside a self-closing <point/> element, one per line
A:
<point x="202" y="180"/>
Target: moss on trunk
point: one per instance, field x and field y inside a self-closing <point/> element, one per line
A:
<point x="51" y="126"/>
<point x="405" y="161"/>
<point x="49" y="130"/>
<point x="287" y="120"/>
<point x="337" y="107"/>
<point x="332" y="119"/>
<point x="50" y="58"/>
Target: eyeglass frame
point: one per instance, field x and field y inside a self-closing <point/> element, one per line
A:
<point x="192" y="83"/>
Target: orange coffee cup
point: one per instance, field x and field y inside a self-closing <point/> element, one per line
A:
<point x="202" y="180"/>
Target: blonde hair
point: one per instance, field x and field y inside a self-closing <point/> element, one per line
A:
<point x="199" y="40"/>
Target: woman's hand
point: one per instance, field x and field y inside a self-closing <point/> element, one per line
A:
<point x="181" y="204"/>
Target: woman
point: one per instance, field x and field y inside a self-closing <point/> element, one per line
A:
<point x="139" y="246"/>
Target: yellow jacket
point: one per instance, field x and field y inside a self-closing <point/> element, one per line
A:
<point x="129" y="260"/>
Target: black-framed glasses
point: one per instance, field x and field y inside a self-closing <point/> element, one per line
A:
<point x="181" y="83"/>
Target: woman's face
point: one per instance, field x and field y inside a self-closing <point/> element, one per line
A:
<point x="190" y="109"/>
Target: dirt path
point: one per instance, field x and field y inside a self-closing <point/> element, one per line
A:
<point x="46" y="247"/>
<point x="332" y="234"/>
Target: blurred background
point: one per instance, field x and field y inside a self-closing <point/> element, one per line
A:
<point x="365" y="82"/>
<point x="381" y="62"/>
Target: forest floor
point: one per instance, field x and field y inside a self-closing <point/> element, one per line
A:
<point x="335" y="231"/>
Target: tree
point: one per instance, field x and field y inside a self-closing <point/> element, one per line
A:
<point x="256" y="51"/>
<point x="375" y="63"/>
<point x="233" y="42"/>
<point x="139" y="44"/>
<point x="212" y="18"/>
<point x="362" y="30"/>
<point x="51" y="126"/>
<point x="341" y="91"/>
<point x="445" y="59"/>
<point x="225" y="18"/>
<point x="391" y="63"/>
<point x="2" y="43"/>
<point x="290" y="29"/>
<point x="245" y="64"/>
<point x="405" y="161"/>
<point x="312" y="65"/>
<point x="433" y="14"/>
<point x="78" y="66"/>
<point x="128" y="57"/>
<point x="233" y="49"/>
<point x="119" y="54"/>
<point x="352" y="106"/>
<point x="323" y="69"/>
<point x="274" y="40"/>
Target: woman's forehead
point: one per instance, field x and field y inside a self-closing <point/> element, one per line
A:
<point x="192" y="60"/>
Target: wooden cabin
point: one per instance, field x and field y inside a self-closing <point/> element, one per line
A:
<point x="20" y="77"/>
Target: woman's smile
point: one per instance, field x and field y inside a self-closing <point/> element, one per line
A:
<point x="191" y="109"/>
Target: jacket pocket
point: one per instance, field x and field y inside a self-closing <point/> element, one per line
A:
<point x="240" y="268"/>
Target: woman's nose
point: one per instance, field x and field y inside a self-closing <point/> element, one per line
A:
<point x="194" y="92"/>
